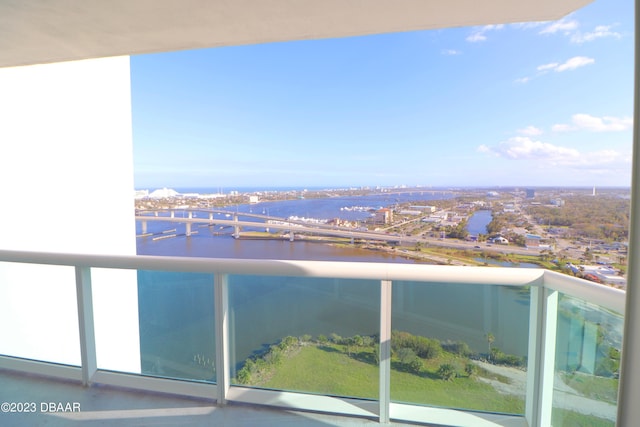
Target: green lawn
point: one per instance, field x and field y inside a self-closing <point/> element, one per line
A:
<point x="597" y="388"/>
<point x="327" y="370"/>
<point x="564" y="418"/>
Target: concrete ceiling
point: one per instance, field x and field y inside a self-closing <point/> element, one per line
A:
<point x="42" y="31"/>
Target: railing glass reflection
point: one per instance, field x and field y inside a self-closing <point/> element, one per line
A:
<point x="177" y="326"/>
<point x="312" y="335"/>
<point x="460" y="345"/>
<point x="589" y="340"/>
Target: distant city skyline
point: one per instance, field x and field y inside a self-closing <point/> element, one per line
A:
<point x="531" y="104"/>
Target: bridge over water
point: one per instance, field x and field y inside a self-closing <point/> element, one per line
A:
<point x="208" y="217"/>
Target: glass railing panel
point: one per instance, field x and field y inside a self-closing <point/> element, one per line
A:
<point x="305" y="334"/>
<point x="460" y="346"/>
<point x="176" y="325"/>
<point x="38" y="313"/>
<point x="588" y="344"/>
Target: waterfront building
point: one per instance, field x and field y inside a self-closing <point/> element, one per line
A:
<point x="383" y="216"/>
<point x="71" y="310"/>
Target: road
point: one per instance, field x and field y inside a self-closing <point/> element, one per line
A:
<point x="328" y="230"/>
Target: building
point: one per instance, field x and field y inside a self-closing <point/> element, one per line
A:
<point x="500" y="240"/>
<point x="90" y="299"/>
<point x="532" y="240"/>
<point x="424" y="208"/>
<point x="531" y="193"/>
<point x="383" y="216"/>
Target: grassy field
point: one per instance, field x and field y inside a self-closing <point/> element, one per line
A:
<point x="564" y="418"/>
<point x="326" y="369"/>
<point x="597" y="388"/>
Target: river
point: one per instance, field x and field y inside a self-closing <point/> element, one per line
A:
<point x="478" y="222"/>
<point x="176" y="309"/>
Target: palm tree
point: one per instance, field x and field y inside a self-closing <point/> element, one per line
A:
<point x="490" y="339"/>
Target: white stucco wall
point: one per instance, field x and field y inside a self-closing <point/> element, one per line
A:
<point x="66" y="185"/>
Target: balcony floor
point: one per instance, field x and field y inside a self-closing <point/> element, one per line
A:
<point x="109" y="406"/>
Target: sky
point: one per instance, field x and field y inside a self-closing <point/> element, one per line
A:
<point x="530" y="104"/>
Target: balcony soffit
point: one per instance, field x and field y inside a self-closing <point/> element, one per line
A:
<point x="43" y="31"/>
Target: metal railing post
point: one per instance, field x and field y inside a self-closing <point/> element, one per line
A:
<point x="543" y="323"/>
<point x="85" y="324"/>
<point x="221" y="292"/>
<point x="385" y="350"/>
<point x="629" y="386"/>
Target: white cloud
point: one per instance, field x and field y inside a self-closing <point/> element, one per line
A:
<point x="600" y="31"/>
<point x="523" y="80"/>
<point x="547" y="67"/>
<point x="476" y="37"/>
<point x="531" y="131"/>
<point x="569" y="65"/>
<point x="550" y="155"/>
<point x="528" y="25"/>
<point x="523" y="147"/>
<point x="575" y="62"/>
<point x="595" y="124"/>
<point x="479" y="34"/>
<point x="564" y="25"/>
<point x="451" y="52"/>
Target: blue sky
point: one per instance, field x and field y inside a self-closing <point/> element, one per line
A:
<point x="533" y="104"/>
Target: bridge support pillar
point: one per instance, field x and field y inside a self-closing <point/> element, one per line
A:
<point x="189" y="225"/>
<point x="173" y="214"/>
<point x="353" y="240"/>
<point x="144" y="227"/>
<point x="291" y="235"/>
<point x="236" y="228"/>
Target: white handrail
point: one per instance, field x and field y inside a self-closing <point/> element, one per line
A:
<point x="266" y="267"/>
<point x="605" y="296"/>
<point x="602" y="295"/>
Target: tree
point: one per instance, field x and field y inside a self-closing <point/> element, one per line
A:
<point x="490" y="339"/>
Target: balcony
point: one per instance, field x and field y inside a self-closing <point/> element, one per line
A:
<point x="520" y="347"/>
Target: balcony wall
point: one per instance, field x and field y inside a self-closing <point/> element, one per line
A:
<point x="205" y="320"/>
<point x="66" y="128"/>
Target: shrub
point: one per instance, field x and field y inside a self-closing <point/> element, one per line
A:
<point x="409" y="359"/>
<point x="447" y="372"/>
<point x="305" y="338"/>
<point x="415" y="365"/>
<point x="288" y="342"/>
<point x="458" y="347"/>
<point x="406" y="355"/>
<point x="423" y="347"/>
<point x="243" y="376"/>
<point x="471" y="369"/>
<point x="367" y="341"/>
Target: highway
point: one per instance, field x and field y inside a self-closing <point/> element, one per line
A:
<point x="330" y="230"/>
<point x="286" y="225"/>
